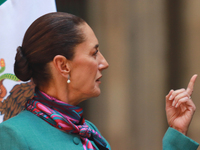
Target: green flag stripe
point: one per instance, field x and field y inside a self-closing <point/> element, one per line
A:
<point x="2" y="1"/>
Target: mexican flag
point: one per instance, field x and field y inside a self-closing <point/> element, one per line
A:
<point x="15" y="17"/>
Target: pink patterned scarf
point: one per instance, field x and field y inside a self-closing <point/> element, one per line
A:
<point x="65" y="117"/>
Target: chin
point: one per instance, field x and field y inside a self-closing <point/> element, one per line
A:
<point x="97" y="93"/>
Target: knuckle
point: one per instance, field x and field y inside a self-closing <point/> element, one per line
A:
<point x="182" y="89"/>
<point x="194" y="108"/>
<point x="186" y="94"/>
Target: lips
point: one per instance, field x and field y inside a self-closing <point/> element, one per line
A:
<point x="98" y="79"/>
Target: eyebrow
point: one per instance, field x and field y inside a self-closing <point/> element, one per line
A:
<point x="96" y="46"/>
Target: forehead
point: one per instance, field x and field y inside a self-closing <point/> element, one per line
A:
<point x="90" y="40"/>
<point x="90" y="37"/>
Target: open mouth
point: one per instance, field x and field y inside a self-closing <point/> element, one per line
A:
<point x="99" y="78"/>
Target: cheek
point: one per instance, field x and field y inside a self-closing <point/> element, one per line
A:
<point x="85" y="73"/>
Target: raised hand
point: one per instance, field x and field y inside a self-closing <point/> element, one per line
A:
<point x="180" y="107"/>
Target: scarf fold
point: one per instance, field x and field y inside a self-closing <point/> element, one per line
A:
<point x="65" y="117"/>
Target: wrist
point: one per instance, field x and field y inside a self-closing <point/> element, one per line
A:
<point x="180" y="130"/>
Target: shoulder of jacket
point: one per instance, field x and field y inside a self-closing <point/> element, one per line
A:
<point x="20" y="120"/>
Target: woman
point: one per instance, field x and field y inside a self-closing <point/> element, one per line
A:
<point x="60" y="53"/>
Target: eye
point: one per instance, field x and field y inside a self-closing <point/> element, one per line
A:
<point x="95" y="53"/>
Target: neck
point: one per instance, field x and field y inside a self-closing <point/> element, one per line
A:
<point x="58" y="91"/>
<point x="61" y="92"/>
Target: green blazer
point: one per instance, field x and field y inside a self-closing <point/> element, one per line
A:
<point x="27" y="131"/>
<point x="174" y="140"/>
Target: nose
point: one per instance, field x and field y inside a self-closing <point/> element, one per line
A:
<point x="103" y="64"/>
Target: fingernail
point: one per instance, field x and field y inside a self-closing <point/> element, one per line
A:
<point x="170" y="98"/>
<point x="176" y="105"/>
<point x="173" y="103"/>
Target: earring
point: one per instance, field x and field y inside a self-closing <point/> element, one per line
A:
<point x="68" y="81"/>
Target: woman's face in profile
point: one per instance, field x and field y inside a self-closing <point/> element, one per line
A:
<point x="86" y="66"/>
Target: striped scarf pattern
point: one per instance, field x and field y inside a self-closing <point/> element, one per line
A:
<point x="65" y="117"/>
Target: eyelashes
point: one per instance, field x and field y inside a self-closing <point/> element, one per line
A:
<point x="95" y="53"/>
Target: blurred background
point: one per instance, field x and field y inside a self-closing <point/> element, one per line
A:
<point x="152" y="47"/>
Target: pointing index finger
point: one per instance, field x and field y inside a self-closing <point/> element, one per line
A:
<point x="191" y="84"/>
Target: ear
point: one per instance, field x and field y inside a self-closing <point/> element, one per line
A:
<point x="62" y="65"/>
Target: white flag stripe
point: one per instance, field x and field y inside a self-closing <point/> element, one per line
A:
<point x="15" y="17"/>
